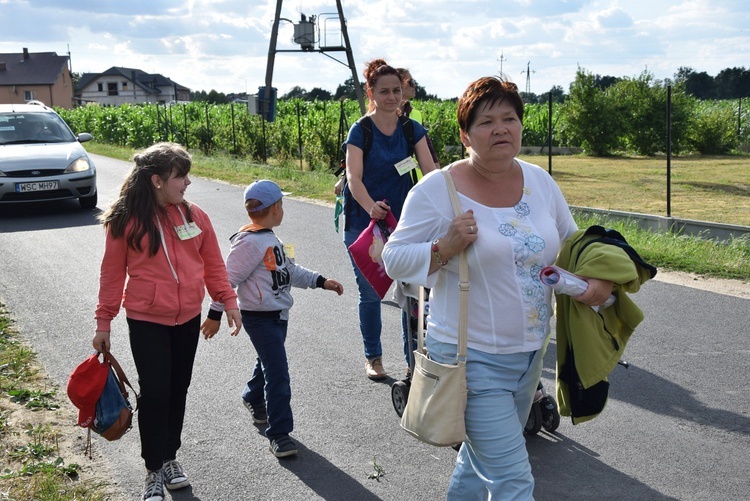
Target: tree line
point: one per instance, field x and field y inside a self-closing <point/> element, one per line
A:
<point x="729" y="83"/>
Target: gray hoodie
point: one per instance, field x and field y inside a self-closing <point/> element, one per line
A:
<point x="262" y="273"/>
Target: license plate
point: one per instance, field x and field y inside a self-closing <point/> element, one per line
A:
<point x="37" y="186"/>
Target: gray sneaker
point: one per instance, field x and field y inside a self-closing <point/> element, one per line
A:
<point x="153" y="489"/>
<point x="174" y="477"/>
<point x="283" y="446"/>
<point x="258" y="412"/>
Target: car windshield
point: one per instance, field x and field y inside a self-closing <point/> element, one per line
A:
<point x="34" y="127"/>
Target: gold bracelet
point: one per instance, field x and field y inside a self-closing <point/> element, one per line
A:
<point x="436" y="253"/>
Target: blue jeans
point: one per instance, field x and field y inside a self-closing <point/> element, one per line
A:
<point x="269" y="382"/>
<point x="493" y="462"/>
<point x="370" y="321"/>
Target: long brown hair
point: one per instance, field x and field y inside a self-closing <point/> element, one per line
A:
<point x="138" y="200"/>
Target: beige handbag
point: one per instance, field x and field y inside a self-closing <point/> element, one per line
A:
<point x="436" y="405"/>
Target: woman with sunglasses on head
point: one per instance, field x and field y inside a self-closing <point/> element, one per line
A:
<point x="376" y="185"/>
<point x="408" y="92"/>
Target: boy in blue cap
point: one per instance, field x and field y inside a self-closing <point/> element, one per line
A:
<point x="263" y="272"/>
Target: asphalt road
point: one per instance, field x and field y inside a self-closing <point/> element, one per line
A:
<point x="677" y="424"/>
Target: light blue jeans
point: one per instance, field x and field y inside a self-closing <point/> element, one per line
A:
<point x="370" y="321"/>
<point x="493" y="462"/>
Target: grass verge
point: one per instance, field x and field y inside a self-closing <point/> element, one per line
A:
<point x="609" y="183"/>
<point x="32" y="431"/>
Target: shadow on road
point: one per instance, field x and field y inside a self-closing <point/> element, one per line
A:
<point x="45" y="216"/>
<point x="324" y="478"/>
<point x="565" y="469"/>
<point x="661" y="396"/>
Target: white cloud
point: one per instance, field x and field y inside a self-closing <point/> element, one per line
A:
<point x="223" y="44"/>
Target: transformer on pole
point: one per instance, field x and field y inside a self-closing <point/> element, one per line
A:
<point x="307" y="34"/>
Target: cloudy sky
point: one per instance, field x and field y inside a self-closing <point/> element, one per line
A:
<point x="223" y="44"/>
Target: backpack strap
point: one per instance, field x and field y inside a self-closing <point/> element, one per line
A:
<point x="366" y="123"/>
<point x="408" y="126"/>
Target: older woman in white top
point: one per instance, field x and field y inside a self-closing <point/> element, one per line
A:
<point x="514" y="222"/>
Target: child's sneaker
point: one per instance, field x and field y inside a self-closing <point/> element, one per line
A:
<point x="283" y="446"/>
<point x="258" y="412"/>
<point x="153" y="489"/>
<point x="174" y="477"/>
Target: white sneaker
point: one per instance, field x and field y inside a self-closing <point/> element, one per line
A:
<point x="174" y="477"/>
<point x="154" y="487"/>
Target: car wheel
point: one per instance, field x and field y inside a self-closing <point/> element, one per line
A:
<point x="89" y="202"/>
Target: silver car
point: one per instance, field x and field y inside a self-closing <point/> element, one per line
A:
<point x="41" y="159"/>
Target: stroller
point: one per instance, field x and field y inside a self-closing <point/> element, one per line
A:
<point x="543" y="414"/>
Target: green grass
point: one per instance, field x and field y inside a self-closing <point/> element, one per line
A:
<point x="703" y="188"/>
<point x="32" y="464"/>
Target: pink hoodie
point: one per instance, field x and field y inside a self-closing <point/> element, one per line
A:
<point x="153" y="293"/>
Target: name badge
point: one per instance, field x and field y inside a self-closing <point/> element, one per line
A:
<point x="187" y="232"/>
<point x="289" y="251"/>
<point x="406" y="165"/>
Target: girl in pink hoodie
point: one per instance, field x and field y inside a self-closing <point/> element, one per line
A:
<point x="160" y="256"/>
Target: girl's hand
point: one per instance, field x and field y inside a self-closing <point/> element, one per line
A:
<point x="209" y="328"/>
<point x="101" y="341"/>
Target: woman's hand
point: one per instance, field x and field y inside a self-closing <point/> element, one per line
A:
<point x="379" y="210"/>
<point x="597" y="292"/>
<point x="339" y="186"/>
<point x="461" y="233"/>
<point x="101" y="341"/>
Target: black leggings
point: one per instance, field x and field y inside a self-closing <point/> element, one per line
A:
<point x="164" y="358"/>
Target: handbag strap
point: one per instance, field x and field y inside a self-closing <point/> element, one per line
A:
<point x="463" y="284"/>
<point x="122" y="378"/>
<point x="463" y="275"/>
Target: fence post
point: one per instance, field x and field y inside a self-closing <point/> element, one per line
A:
<point x="669" y="151"/>
<point x="234" y="136"/>
<point x="739" y="119"/>
<point x="184" y="120"/>
<point x="299" y="136"/>
<point x="549" y="133"/>
<point x="263" y="127"/>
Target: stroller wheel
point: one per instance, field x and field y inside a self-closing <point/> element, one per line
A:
<point x="400" y="395"/>
<point x="550" y="414"/>
<point x="534" y="423"/>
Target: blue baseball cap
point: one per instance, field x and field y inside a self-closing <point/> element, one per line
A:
<point x="266" y="192"/>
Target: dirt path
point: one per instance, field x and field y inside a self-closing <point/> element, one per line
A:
<point x="737" y="288"/>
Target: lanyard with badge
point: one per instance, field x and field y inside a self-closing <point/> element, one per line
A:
<point x="185" y="231"/>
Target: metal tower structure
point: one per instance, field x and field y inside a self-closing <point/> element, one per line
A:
<point x="306" y="35"/>
<point x="528" y="72"/>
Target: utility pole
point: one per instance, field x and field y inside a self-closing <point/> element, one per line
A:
<point x="502" y="58"/>
<point x="528" y="72"/>
<point x="307" y="37"/>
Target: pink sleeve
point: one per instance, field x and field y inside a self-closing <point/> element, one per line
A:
<point x="214" y="270"/>
<point x="111" y="281"/>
